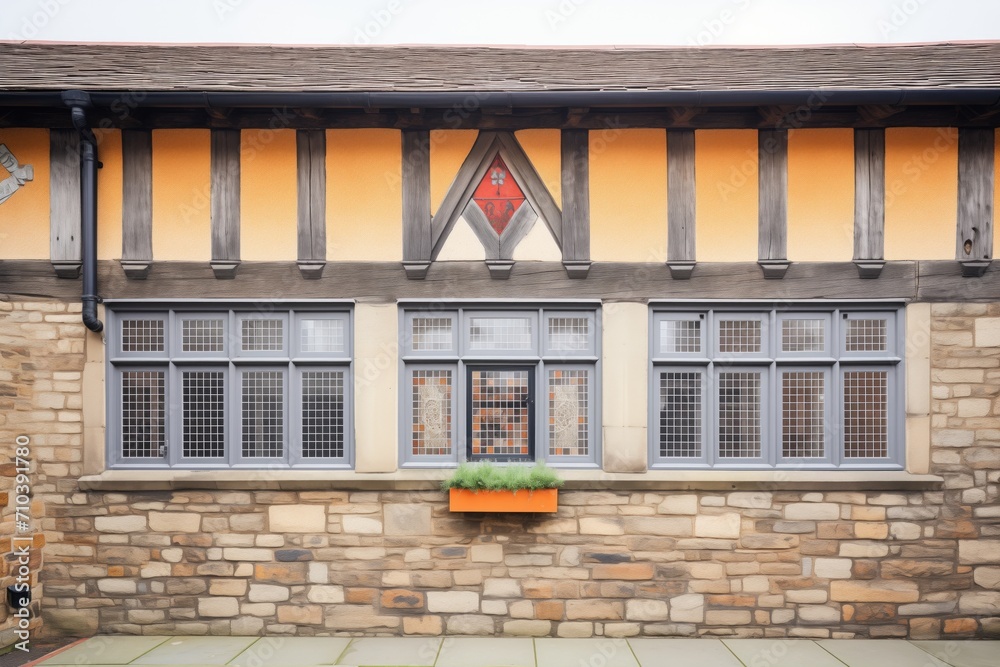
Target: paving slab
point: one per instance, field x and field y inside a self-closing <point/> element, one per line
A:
<point x="879" y="653"/>
<point x="683" y="653"/>
<point x="392" y="652"/>
<point x="486" y="652"/>
<point x="292" y="651"/>
<point x="106" y="650"/>
<point x="607" y="652"/>
<point x="780" y="652"/>
<point x="195" y="651"/>
<point x="963" y="653"/>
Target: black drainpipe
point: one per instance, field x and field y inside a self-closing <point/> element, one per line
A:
<point x="78" y="101"/>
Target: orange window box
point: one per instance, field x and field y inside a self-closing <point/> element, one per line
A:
<point x="525" y="500"/>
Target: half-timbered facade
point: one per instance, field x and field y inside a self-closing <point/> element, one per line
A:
<point x="257" y="302"/>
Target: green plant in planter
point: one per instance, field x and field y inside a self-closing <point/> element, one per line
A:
<point x="486" y="476"/>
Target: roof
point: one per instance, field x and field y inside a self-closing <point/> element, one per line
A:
<point x="107" y="67"/>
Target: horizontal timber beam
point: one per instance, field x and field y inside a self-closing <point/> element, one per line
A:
<point x="386" y="282"/>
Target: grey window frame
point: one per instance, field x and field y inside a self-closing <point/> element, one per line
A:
<point x="232" y="361"/>
<point x="461" y="357"/>
<point x="833" y="360"/>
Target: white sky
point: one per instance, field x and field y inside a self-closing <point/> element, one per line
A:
<point x="532" y="22"/>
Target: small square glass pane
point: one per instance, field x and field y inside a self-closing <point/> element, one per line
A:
<point x="431" y="334"/>
<point x="262" y="335"/>
<point x="321" y="335"/>
<point x="142" y="335"/>
<point x="569" y="398"/>
<point x="803" y="335"/>
<point x="202" y="335"/>
<point x="432" y="401"/>
<point x="739" y="336"/>
<point x="680" y="416"/>
<point x="680" y="336"/>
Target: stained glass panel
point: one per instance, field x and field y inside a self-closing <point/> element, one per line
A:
<point x="498" y="195"/>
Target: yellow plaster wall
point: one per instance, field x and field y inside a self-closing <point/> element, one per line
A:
<point x="628" y="195"/>
<point x="182" y="195"/>
<point x="24" y="218"/>
<point x="543" y="149"/>
<point x="921" y="192"/>
<point x="109" y="194"/>
<point x="268" y="196"/>
<point x="364" y="209"/>
<point x="726" y="195"/>
<point x="449" y="149"/>
<point x="821" y="195"/>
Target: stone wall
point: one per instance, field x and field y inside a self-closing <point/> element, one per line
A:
<point x="764" y="562"/>
<point x="41" y="360"/>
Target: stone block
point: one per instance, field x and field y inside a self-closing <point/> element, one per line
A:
<point x="407" y="519"/>
<point x="120" y="524"/>
<point x="682" y="504"/>
<point x="833" y="568"/>
<point x="602" y="525"/>
<point x="987" y="330"/>
<point x="296" y="518"/>
<point x="501" y="588"/>
<point x="116" y="586"/>
<point x="806" y="596"/>
<point x="625" y="571"/>
<point x="300" y="614"/>
<point x="218" y="607"/>
<point x="758" y="500"/>
<point x="470" y="624"/>
<point x="326" y="594"/>
<point x="818" y="614"/>
<point x="486" y="553"/>
<point x="174" y="522"/>
<point x="647" y="610"/>
<point x="452" y="602"/>
<point x="248" y="554"/>
<point x="874" y="591"/>
<point x="768" y="541"/>
<point x="268" y="593"/>
<point x="361" y="525"/>
<point x="987" y="577"/>
<point x="689" y="608"/>
<point x="728" y="617"/>
<point x="726" y="526"/>
<point x="983" y="603"/>
<point x="525" y="628"/>
<point x="400" y="598"/>
<point x="423" y="625"/>
<point x="228" y="587"/>
<point x="975" y="552"/>
<point x="812" y="512"/>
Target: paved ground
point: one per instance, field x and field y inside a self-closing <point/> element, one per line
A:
<point x="516" y="652"/>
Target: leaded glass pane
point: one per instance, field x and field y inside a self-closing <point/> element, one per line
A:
<point x="432" y="334"/>
<point x="802" y="335"/>
<point x="263" y="335"/>
<point x="322" y="414"/>
<point x="680" y="336"/>
<point x="866" y="335"/>
<point x="569" y="334"/>
<point x="262" y="399"/>
<point x="500" y="333"/>
<point x="866" y="414"/>
<point x="803" y="414"/>
<point x="432" y="400"/>
<point x="500" y="412"/>
<point x="203" y="418"/>
<point x="739" y="336"/>
<point x="321" y="335"/>
<point x="142" y="335"/>
<point x="202" y="335"/>
<point x="680" y="414"/>
<point x="569" y="398"/>
<point x="143" y="414"/>
<point x="740" y="426"/>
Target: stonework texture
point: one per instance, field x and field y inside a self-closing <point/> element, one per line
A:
<point x="767" y="562"/>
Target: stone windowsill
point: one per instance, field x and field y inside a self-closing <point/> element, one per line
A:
<point x="428" y="480"/>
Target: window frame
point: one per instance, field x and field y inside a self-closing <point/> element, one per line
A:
<point x="232" y="361"/>
<point x="832" y="361"/>
<point x="461" y="357"/>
